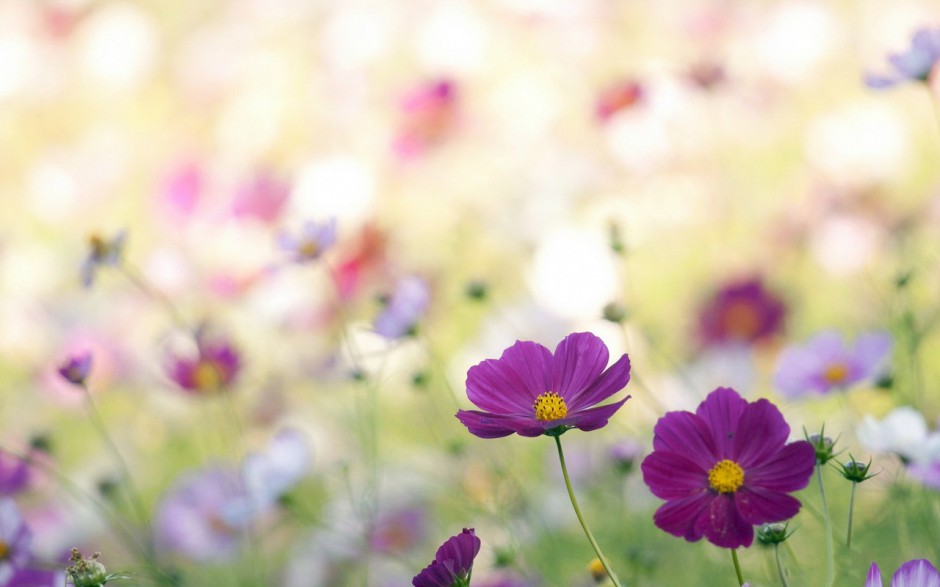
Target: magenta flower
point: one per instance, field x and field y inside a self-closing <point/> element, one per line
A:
<point x="741" y="312"/>
<point x="452" y="564"/>
<point x="825" y="363"/>
<point x="212" y="370"/>
<point x="724" y="469"/>
<point x="914" y="64"/>
<point x="531" y="391"/>
<point x="313" y="240"/>
<point x="76" y="368"/>
<point x="263" y="197"/>
<point x="913" y="573"/>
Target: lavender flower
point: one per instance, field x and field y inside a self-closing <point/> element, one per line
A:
<point x="102" y="253"/>
<point x="406" y="306"/>
<point x="914" y="64"/>
<point x="452" y="563"/>
<point x="76" y="368"/>
<point x="14" y="474"/>
<point x="913" y="573"/>
<point x="530" y="391"/>
<point x="825" y="363"/>
<point x="724" y="469"/>
<point x="15" y="540"/>
<point x="270" y="474"/>
<point x="314" y="239"/>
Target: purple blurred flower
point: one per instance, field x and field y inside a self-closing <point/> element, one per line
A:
<point x="507" y="579"/>
<point x="406" y="306"/>
<point x="269" y="475"/>
<point x="15" y="540"/>
<point x="928" y="474"/>
<point x="531" y="392"/>
<point x="453" y="562"/>
<point x="27" y="577"/>
<point x="314" y="239"/>
<point x="14" y="474"/>
<point x="913" y="573"/>
<point x="741" y="312"/>
<point x="429" y="115"/>
<point x="201" y="516"/>
<point x="213" y="369"/>
<point x="624" y="454"/>
<point x="102" y="253"/>
<point x="262" y="197"/>
<point x="76" y="368"/>
<point x="724" y="469"/>
<point x="914" y="64"/>
<point x="398" y="531"/>
<point x="825" y="363"/>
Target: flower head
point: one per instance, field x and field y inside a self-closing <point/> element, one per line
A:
<point x="76" y="368"/>
<point x="741" y="312"/>
<point x="619" y="96"/>
<point x="269" y="475"/>
<point x="314" y="239"/>
<point x="102" y="253"/>
<point x="724" y="469"/>
<point x="452" y="564"/>
<point x="212" y="370"/>
<point x="914" y="64"/>
<point x="429" y="115"/>
<point x="15" y="540"/>
<point x="14" y="474"/>
<point x="403" y="310"/>
<point x="531" y="391"/>
<point x="913" y="573"/>
<point x="262" y="197"/>
<point x="826" y="363"/>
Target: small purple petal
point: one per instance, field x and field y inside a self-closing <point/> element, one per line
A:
<point x="874" y="576"/>
<point x="723" y="525"/>
<point x="759" y="506"/>
<point x="721" y="411"/>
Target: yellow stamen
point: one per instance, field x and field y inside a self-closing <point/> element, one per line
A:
<point x="741" y="320"/>
<point x="206" y="376"/>
<point x="4" y="550"/>
<point x="308" y="249"/>
<point x="726" y="476"/>
<point x="836" y="373"/>
<point x="549" y="407"/>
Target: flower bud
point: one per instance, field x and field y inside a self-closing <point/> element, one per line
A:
<point x="823" y="445"/>
<point x="855" y="471"/>
<point x="773" y="533"/>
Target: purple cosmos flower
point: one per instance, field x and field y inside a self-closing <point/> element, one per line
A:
<point x="407" y="304"/>
<point x="725" y="468"/>
<point x="15" y="540"/>
<point x="913" y="573"/>
<point x="741" y="312"/>
<point x="452" y="564"/>
<point x="201" y="516"/>
<point x="212" y="370"/>
<point x="915" y="64"/>
<point x="313" y="240"/>
<point x="531" y="391"/>
<point x="102" y="253"/>
<point x="825" y="363"/>
<point x="14" y="474"/>
<point x="76" y="368"/>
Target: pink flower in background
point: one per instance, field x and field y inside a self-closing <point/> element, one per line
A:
<point x="742" y="311"/>
<point x="367" y="258"/>
<point x="619" y="96"/>
<point x="400" y="530"/>
<point x="182" y="190"/>
<point x="428" y="117"/>
<point x="262" y="197"/>
<point x="212" y="370"/>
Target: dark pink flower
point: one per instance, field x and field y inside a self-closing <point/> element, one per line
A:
<point x="741" y="312"/>
<point x="213" y="369"/>
<point x="453" y="562"/>
<point x="725" y="468"/>
<point x="531" y="391"/>
<point x="617" y="97"/>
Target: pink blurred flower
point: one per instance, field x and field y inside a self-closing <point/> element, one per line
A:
<point x="212" y="370"/>
<point x="182" y="189"/>
<point x="398" y="531"/>
<point x="429" y="116"/>
<point x="262" y="197"/>
<point x="618" y="96"/>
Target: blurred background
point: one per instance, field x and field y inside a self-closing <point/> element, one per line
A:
<point x="494" y="170"/>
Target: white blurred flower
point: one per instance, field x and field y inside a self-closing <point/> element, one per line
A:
<point x="904" y="432"/>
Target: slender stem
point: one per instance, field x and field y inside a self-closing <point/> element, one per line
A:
<point x="783" y="577"/>
<point x="737" y="566"/>
<point x="848" y="532"/>
<point x="577" y="512"/>
<point x="827" y="522"/>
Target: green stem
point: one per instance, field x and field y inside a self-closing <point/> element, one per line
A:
<point x="577" y="512"/>
<point x="737" y="566"/>
<point x="848" y="532"/>
<point x="783" y="577"/>
<point x="827" y="522"/>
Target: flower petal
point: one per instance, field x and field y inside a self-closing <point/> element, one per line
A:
<point x="610" y="382"/>
<point x="672" y="476"/>
<point x="874" y="576"/>
<point x="593" y="418"/>
<point x="723" y="525"/>
<point x="916" y="573"/>
<point x="579" y="359"/>
<point x="510" y="384"/>
<point x="486" y="425"/>
<point x="678" y="517"/>
<point x="761" y="432"/>
<point x="788" y="470"/>
<point x="759" y="506"/>
<point x="685" y="434"/>
<point x="721" y="411"/>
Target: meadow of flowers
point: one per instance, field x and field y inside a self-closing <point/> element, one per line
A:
<point x="512" y="293"/>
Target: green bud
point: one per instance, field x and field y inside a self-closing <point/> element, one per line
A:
<point x="823" y="445"/>
<point x="773" y="533"/>
<point x="615" y="312"/>
<point x="86" y="572"/>
<point x="476" y="290"/>
<point x="855" y="471"/>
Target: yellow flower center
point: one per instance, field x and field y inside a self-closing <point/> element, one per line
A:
<point x="836" y="373"/>
<point x="549" y="407"/>
<point x="741" y="320"/>
<point x="206" y="376"/>
<point x="4" y="550"/>
<point x="726" y="476"/>
<point x="309" y="249"/>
